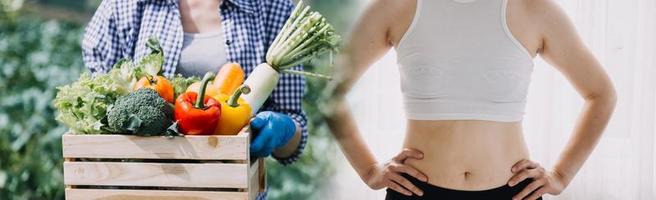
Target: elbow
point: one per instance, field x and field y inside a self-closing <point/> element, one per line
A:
<point x="337" y="125"/>
<point x="334" y="126"/>
<point x="613" y="97"/>
<point x="607" y="97"/>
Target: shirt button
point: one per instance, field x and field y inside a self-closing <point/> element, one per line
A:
<point x="228" y="42"/>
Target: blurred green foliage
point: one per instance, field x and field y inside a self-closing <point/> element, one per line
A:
<point x="36" y="55"/>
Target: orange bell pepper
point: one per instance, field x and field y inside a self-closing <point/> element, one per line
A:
<point x="229" y="78"/>
<point x="235" y="112"/>
<point x="158" y="83"/>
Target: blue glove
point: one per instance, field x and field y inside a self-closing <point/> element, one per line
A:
<point x="271" y="130"/>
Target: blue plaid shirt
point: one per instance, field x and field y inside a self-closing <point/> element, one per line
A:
<point x="120" y="28"/>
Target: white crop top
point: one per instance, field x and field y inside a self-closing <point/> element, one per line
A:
<point x="459" y="61"/>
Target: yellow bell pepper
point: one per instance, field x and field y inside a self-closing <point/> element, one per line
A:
<point x="235" y="112"/>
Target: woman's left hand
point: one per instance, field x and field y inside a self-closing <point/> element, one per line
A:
<point x="544" y="182"/>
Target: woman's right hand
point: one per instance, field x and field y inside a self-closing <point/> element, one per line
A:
<point x="389" y="174"/>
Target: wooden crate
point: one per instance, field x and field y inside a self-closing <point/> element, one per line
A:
<point x="121" y="167"/>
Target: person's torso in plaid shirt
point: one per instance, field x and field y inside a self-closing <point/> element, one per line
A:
<point x="120" y="28"/>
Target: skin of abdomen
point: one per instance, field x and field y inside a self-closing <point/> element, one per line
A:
<point x="466" y="154"/>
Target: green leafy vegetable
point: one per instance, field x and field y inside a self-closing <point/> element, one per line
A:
<point x="152" y="63"/>
<point x="83" y="104"/>
<point x="181" y="83"/>
<point x="305" y="35"/>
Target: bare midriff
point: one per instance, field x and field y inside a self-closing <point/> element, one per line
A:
<point x="466" y="154"/>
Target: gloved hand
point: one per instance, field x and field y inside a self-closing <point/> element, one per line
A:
<point x="271" y="130"/>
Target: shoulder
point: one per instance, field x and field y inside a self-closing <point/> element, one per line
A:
<point x="128" y="14"/>
<point x="392" y="17"/>
<point x="545" y="12"/>
<point x="539" y="4"/>
<point x="391" y="12"/>
<point x="123" y="8"/>
<point x="135" y="6"/>
<point x="545" y="16"/>
<point x="391" y="8"/>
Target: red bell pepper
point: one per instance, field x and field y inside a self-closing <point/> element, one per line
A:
<point x="201" y="117"/>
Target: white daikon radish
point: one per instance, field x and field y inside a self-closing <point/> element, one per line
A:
<point x="262" y="80"/>
<point x="305" y="35"/>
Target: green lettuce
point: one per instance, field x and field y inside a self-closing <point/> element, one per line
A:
<point x="181" y="83"/>
<point x="82" y="105"/>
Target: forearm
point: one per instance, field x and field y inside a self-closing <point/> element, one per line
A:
<point x="340" y="119"/>
<point x="351" y="142"/>
<point x="591" y="124"/>
<point x="291" y="146"/>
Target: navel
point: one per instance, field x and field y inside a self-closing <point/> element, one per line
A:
<point x="467" y="175"/>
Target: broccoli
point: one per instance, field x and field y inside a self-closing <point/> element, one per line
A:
<point x="142" y="112"/>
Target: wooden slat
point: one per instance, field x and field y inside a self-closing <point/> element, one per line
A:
<point x="200" y="175"/>
<point x="117" y="194"/>
<point x="254" y="180"/>
<point x="157" y="147"/>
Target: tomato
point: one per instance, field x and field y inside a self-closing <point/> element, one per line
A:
<point x="158" y="83"/>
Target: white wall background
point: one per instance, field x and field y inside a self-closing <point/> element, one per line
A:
<point x="622" y="34"/>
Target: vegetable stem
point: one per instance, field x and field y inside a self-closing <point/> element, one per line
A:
<point x="201" y="94"/>
<point x="304" y="28"/>
<point x="233" y="101"/>
<point x="285" y="33"/>
<point x="151" y="79"/>
<point x="299" y="56"/>
<point x="304" y="73"/>
<point x="153" y="44"/>
<point x="303" y="59"/>
<point x="309" y="41"/>
<point x="292" y="17"/>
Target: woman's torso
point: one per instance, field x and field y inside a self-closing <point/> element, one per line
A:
<point x="468" y="154"/>
<point x="203" y="46"/>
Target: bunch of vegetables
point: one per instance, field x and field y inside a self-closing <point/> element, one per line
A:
<point x="305" y="35"/>
<point x="132" y="98"/>
<point x="195" y="110"/>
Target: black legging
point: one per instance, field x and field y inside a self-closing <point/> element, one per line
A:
<point x="438" y="193"/>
